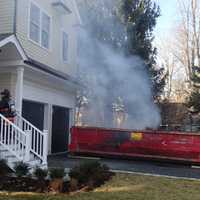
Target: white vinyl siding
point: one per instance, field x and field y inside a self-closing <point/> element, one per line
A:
<point x="5" y="81"/>
<point x="7" y="10"/>
<point x="53" y="57"/>
<point x="65" y="47"/>
<point x="39" y="26"/>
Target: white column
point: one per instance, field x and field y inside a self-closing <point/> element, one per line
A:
<point x="71" y="117"/>
<point x="19" y="89"/>
<point x="46" y="117"/>
<point x="71" y="122"/>
<point x="48" y="123"/>
<point x="45" y="146"/>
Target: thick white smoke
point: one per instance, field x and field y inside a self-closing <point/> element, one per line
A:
<point x="110" y="75"/>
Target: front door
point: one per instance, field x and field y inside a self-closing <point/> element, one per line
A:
<point x="60" y="129"/>
<point x="34" y="113"/>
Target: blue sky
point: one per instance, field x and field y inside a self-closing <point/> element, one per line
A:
<point x="168" y="16"/>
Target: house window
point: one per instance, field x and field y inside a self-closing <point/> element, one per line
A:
<point x="39" y="26"/>
<point x="45" y="30"/>
<point x="65" y="47"/>
<point x="34" y="23"/>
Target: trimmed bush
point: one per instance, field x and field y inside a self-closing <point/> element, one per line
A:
<point x="4" y="169"/>
<point x="57" y="173"/>
<point x="90" y="173"/>
<point x="21" y="169"/>
<point x="40" y="174"/>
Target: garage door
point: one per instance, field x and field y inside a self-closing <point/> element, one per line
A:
<point x="34" y="113"/>
<point x="60" y="129"/>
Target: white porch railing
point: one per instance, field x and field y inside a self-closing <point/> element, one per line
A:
<point x="13" y="139"/>
<point x="38" y="139"/>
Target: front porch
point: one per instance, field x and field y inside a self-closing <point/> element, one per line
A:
<point x="44" y="101"/>
<point x="19" y="139"/>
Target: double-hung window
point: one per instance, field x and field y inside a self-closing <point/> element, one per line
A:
<point x="45" y="30"/>
<point x="34" y="33"/>
<point x="39" y="26"/>
<point x="65" y="47"/>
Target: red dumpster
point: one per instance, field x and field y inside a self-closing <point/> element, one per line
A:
<point x="151" y="144"/>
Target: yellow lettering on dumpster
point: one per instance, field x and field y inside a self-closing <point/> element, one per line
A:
<point x="136" y="136"/>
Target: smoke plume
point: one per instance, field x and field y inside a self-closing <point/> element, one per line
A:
<point x="117" y="83"/>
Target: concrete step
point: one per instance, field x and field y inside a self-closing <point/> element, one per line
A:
<point x="34" y="163"/>
<point x="5" y="153"/>
<point x="12" y="159"/>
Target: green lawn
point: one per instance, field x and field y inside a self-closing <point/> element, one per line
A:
<point x="130" y="187"/>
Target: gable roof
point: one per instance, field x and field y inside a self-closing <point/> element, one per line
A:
<point x="9" y="38"/>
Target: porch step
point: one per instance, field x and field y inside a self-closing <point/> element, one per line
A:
<point x="5" y="153"/>
<point x="12" y="159"/>
<point x="18" y="144"/>
<point x="33" y="163"/>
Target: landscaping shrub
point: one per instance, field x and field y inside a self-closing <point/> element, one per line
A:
<point x="56" y="184"/>
<point x="40" y="174"/>
<point x="4" y="169"/>
<point x="57" y="173"/>
<point x="90" y="173"/>
<point x="21" y="169"/>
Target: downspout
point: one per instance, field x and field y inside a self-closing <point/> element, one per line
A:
<point x="15" y="18"/>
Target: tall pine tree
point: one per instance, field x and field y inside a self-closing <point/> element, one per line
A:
<point x="139" y="17"/>
<point x="194" y="98"/>
<point x="127" y="26"/>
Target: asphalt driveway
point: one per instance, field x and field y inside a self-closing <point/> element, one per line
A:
<point x="135" y="166"/>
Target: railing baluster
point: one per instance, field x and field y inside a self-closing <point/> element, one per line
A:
<point x="11" y="139"/>
<point x="33" y="139"/>
<point x="8" y="134"/>
<point x="1" y="133"/>
<point x="4" y="132"/>
<point x="14" y="139"/>
<point x="14" y="136"/>
<point x="37" y="143"/>
<point x="41" y="144"/>
<point x="18" y="141"/>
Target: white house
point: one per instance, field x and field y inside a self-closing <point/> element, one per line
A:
<point x="38" y="64"/>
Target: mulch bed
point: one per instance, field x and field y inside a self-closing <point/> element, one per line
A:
<point x="28" y="184"/>
<point x="22" y="184"/>
<point x="11" y="183"/>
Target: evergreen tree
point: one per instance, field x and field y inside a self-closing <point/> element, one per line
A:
<point x="194" y="98"/>
<point x="139" y="17"/>
<point x="127" y="26"/>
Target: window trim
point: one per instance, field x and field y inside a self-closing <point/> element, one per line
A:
<point x="49" y="33"/>
<point x="39" y="24"/>
<point x="62" y="46"/>
<point x="40" y="27"/>
<point x="29" y="23"/>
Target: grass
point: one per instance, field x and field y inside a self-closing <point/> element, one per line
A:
<point x="127" y="187"/>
